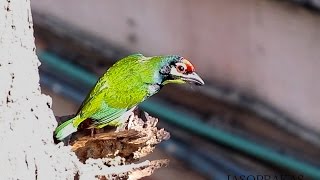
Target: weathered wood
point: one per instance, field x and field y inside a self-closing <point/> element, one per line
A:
<point x="131" y="144"/>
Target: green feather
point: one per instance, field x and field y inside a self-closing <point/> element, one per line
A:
<point x="65" y="129"/>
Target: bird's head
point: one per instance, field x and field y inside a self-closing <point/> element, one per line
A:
<point x="177" y="69"/>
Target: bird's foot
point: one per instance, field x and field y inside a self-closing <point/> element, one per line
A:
<point x="129" y="124"/>
<point x="130" y="121"/>
<point x="93" y="134"/>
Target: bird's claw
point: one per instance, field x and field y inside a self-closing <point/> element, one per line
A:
<point x="129" y="124"/>
<point x="93" y="133"/>
<point x="130" y="121"/>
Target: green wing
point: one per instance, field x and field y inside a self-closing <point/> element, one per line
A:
<point x="108" y="116"/>
<point x="100" y="85"/>
<point x="96" y="108"/>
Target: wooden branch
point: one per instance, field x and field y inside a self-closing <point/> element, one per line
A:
<point x="111" y="153"/>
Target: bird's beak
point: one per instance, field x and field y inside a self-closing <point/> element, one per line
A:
<point x="193" y="78"/>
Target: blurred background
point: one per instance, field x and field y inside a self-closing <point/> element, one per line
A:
<point x="258" y="113"/>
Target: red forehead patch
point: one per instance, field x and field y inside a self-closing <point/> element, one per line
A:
<point x="190" y="67"/>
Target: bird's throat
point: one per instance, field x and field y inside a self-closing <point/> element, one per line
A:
<point x="175" y="81"/>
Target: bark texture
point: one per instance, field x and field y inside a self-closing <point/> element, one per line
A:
<point x="27" y="121"/>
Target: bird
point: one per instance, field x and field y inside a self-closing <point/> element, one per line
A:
<point x="124" y="85"/>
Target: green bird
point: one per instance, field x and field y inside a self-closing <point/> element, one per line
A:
<point x="127" y="83"/>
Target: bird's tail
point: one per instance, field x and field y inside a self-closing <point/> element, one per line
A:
<point x="65" y="129"/>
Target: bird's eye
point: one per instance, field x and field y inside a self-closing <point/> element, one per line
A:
<point x="181" y="68"/>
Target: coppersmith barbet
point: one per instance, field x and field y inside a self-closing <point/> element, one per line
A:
<point x="127" y="83"/>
